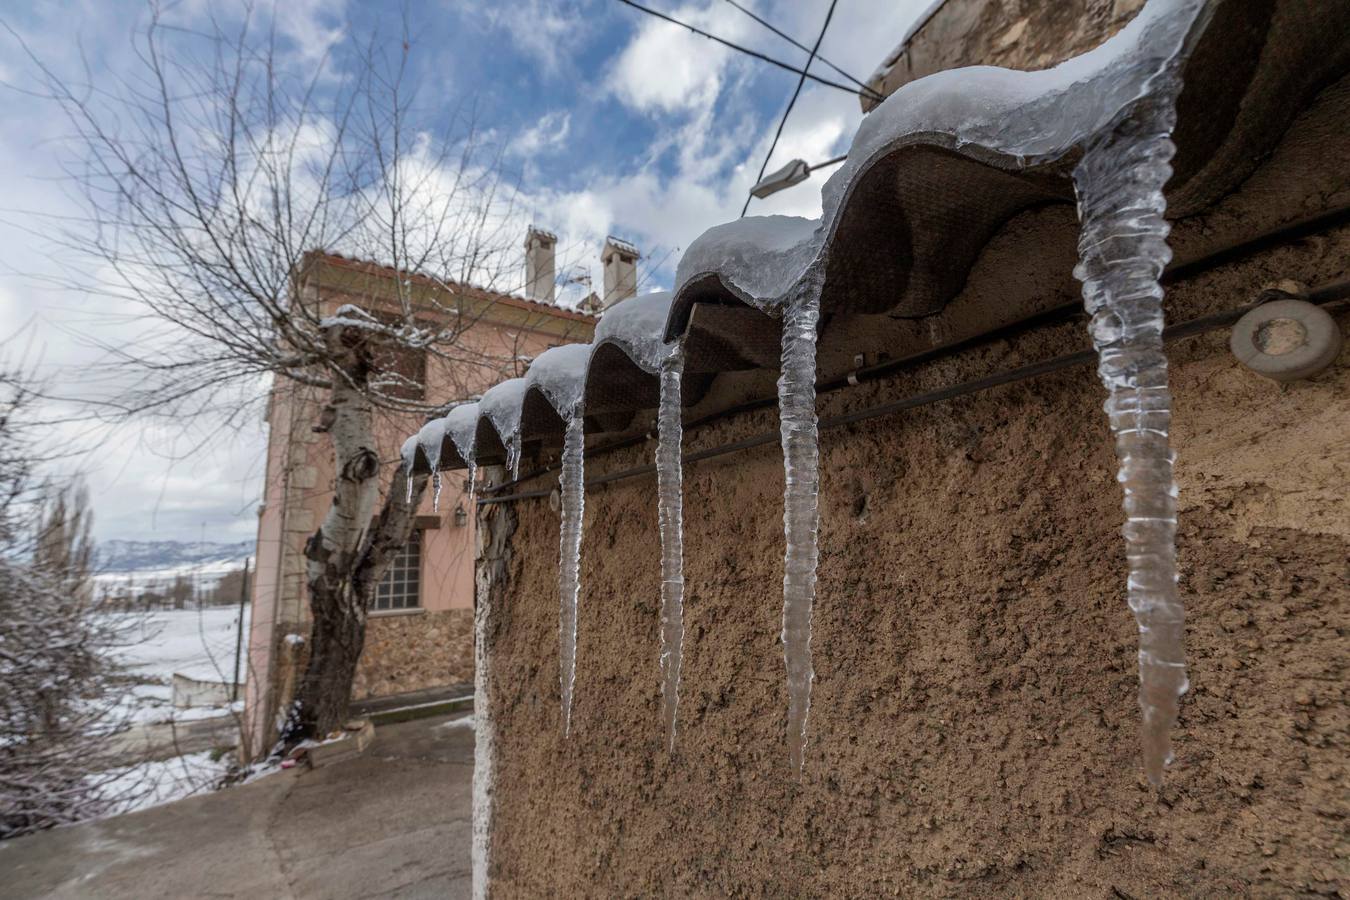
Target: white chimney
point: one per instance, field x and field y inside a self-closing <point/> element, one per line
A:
<point x="620" y="261"/>
<point x="539" y="265"/>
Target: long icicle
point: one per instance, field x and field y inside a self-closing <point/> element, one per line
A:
<point x="485" y="732"/>
<point x="569" y="569"/>
<point x="797" y="421"/>
<point x="670" y="513"/>
<point x="1122" y="253"/>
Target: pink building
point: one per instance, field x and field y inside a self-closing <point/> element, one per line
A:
<point x="420" y="632"/>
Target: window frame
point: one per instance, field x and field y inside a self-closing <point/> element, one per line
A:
<point x="403" y="575"/>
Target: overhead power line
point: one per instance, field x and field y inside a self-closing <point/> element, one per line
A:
<point x="747" y="51"/>
<point x="829" y="14"/>
<point x="800" y="46"/>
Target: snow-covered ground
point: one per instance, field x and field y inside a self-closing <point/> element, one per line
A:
<point x="149" y="784"/>
<point x="199" y="644"/>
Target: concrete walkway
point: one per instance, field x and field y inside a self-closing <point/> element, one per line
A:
<point x="394" y="822"/>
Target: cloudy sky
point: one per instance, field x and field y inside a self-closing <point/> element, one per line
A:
<point x="610" y="121"/>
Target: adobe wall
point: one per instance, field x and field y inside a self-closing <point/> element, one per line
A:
<point x="974" y="724"/>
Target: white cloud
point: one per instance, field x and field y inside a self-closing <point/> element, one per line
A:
<point x="542" y="30"/>
<point x="549" y="133"/>
<point x="665" y="68"/>
<point x="694" y="173"/>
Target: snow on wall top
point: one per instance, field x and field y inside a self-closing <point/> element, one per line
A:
<point x="559" y="373"/>
<point x="638" y="326"/>
<point x="1009" y="118"/>
<point x="986" y="118"/>
<point x="461" y="426"/>
<point x="500" y="405"/>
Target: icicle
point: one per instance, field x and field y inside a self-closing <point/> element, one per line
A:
<point x="408" y="477"/>
<point x="1122" y="253"/>
<point x="569" y="568"/>
<point x="797" y="421"/>
<point x="670" y="513"/>
<point x="436" y="491"/>
<point x="473" y="483"/>
<point x="484" y="749"/>
<point x="513" y="456"/>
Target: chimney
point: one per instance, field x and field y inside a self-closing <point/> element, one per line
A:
<point x="539" y="266"/>
<point x="620" y="262"/>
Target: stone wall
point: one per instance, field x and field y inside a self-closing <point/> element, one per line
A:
<point x="974" y="727"/>
<point x="413" y="651"/>
<point x="1014" y="34"/>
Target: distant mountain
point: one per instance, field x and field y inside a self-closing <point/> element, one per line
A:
<point x="160" y="560"/>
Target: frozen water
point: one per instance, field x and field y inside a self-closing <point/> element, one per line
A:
<point x="670" y="515"/>
<point x="759" y="258"/>
<point x="408" y="454"/>
<point x="461" y="426"/>
<point x="484" y="746"/>
<point x="638" y="327"/>
<point x="1122" y="253"/>
<point x="1024" y="118"/>
<point x="560" y="374"/>
<point x="502" y="404"/>
<point x="461" y="423"/>
<point x="430" y="439"/>
<point x="569" y="555"/>
<point x="797" y="421"/>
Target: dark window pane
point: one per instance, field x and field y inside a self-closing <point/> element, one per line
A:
<point x="401" y="586"/>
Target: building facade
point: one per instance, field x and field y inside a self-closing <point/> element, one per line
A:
<point x="419" y="633"/>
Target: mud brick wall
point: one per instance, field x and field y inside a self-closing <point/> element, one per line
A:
<point x="974" y="727"/>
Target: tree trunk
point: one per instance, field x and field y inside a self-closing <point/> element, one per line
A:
<point x="350" y="552"/>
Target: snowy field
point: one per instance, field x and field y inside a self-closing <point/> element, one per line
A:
<point x="199" y="644"/>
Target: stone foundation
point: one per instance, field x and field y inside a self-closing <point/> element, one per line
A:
<point x="414" y="651"/>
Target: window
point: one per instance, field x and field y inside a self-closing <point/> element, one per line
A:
<point x="401" y="587"/>
<point x="400" y="372"/>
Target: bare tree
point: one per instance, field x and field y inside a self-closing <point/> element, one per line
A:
<point x="211" y="177"/>
<point x="58" y="705"/>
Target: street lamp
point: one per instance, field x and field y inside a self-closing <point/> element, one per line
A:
<point x="794" y="172"/>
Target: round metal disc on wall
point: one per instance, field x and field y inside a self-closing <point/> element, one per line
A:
<point x="1286" y="340"/>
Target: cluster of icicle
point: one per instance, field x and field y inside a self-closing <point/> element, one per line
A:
<point x="1116" y="103"/>
<point x="1122" y="254"/>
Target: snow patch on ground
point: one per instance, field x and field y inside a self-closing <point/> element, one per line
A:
<point x="163" y="781"/>
<point x="197" y="643"/>
<point x="462" y="722"/>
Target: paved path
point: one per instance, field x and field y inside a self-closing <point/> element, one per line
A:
<point x="394" y="822"/>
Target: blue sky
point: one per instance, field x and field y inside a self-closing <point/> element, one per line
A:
<point x="609" y="120"/>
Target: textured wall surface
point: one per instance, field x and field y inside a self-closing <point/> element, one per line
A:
<point x="1014" y="34"/>
<point x="974" y="722"/>
<point x="411" y="652"/>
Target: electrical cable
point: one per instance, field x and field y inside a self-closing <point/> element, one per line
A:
<point x="746" y="50"/>
<point x="829" y="14"/>
<point x="800" y="46"/>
